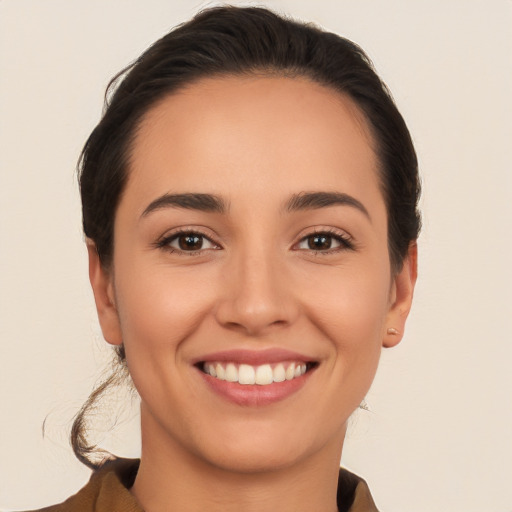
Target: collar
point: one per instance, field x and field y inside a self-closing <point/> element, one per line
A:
<point x="113" y="480"/>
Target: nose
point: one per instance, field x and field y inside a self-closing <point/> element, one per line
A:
<point x="257" y="296"/>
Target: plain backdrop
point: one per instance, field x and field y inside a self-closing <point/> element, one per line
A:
<point x="439" y="433"/>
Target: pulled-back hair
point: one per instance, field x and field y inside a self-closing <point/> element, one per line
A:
<point x="239" y="41"/>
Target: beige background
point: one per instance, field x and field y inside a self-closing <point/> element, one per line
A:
<point x="438" y="437"/>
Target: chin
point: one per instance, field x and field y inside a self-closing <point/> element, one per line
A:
<point x="254" y="459"/>
<point x="268" y="448"/>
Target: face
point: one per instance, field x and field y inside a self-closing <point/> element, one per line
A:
<point x="251" y="281"/>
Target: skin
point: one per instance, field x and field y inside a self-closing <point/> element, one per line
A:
<point x="254" y="142"/>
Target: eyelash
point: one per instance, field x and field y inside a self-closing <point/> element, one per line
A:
<point x="165" y="242"/>
<point x="346" y="243"/>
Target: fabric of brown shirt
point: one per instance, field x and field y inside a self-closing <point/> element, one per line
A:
<point x="108" y="491"/>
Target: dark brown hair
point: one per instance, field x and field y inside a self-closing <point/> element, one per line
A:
<point x="239" y="41"/>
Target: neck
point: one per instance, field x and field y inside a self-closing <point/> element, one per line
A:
<point x="171" y="478"/>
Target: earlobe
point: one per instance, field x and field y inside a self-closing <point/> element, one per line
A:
<point x="401" y="297"/>
<point x="103" y="290"/>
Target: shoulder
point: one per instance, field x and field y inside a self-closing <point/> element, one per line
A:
<point x="106" y="491"/>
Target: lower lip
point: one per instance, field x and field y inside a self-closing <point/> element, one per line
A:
<point x="255" y="395"/>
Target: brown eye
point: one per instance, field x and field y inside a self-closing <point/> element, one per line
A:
<point x="190" y="242"/>
<point x="324" y="242"/>
<point x="320" y="242"/>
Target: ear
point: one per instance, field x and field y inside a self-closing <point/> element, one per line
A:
<point x="402" y="290"/>
<point x="103" y="289"/>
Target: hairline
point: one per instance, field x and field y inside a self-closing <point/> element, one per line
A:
<point x="362" y="120"/>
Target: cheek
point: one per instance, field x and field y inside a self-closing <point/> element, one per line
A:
<point x="159" y="310"/>
<point x="159" y="307"/>
<point x="350" y="302"/>
<point x="349" y="305"/>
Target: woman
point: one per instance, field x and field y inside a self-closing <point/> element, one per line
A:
<point x="250" y="209"/>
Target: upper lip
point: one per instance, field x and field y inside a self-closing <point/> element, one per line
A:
<point x="254" y="357"/>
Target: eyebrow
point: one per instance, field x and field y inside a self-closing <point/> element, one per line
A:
<point x="317" y="200"/>
<point x="189" y="201"/>
<point x="215" y="204"/>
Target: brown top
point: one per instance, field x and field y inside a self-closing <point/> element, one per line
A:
<point x="108" y="491"/>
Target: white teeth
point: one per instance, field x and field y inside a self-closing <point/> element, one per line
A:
<point x="279" y="373"/>
<point x="262" y="375"/>
<point x="210" y="369"/>
<point x="220" y="372"/>
<point x="290" y="372"/>
<point x="231" y="373"/>
<point x="246" y="374"/>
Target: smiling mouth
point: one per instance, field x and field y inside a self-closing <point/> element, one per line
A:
<point x="260" y="375"/>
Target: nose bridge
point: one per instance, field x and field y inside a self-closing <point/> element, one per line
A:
<point x="257" y="278"/>
<point x="256" y="296"/>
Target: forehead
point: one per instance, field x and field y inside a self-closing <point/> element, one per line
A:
<point x="253" y="133"/>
